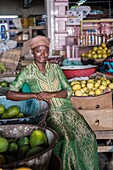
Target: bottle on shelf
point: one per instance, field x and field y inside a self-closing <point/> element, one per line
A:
<point x="95" y="37"/>
<point x="89" y="37"/>
<point x="99" y="38"/>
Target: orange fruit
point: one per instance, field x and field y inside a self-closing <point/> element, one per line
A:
<point x="23" y="168"/>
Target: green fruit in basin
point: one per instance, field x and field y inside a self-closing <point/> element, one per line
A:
<point x="34" y="151"/>
<point x="13" y="147"/>
<point x="3" y="144"/>
<point x="12" y="111"/>
<point x="37" y="138"/>
<point x="23" y="141"/>
<point x="22" y="151"/>
<point x="2" y="160"/>
<point x="4" y="83"/>
<point x="2" y="109"/>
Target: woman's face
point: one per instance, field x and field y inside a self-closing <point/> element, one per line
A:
<point x="41" y="54"/>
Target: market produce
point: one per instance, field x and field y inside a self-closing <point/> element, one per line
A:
<point x="3" y="144"/>
<point x="22" y="151"/>
<point x="12" y="150"/>
<point x="91" y="87"/>
<point x="100" y="52"/>
<point x="2" y="160"/>
<point x="34" y="151"/>
<point x="23" y="168"/>
<point x="2" y="109"/>
<point x="11" y="112"/>
<point x="4" y="83"/>
<point x="23" y="141"/>
<point x="38" y="138"/>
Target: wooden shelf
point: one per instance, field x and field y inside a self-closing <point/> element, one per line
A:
<point x="27" y="29"/>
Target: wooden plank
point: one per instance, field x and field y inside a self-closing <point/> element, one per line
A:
<point x="104" y="134"/>
<point x="105" y="148"/>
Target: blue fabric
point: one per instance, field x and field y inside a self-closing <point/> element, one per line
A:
<point x="26" y="88"/>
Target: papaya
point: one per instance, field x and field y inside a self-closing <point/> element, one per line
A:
<point x="34" y="151"/>
<point x="11" y="112"/>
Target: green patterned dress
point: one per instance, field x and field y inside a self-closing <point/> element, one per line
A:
<point x="77" y="146"/>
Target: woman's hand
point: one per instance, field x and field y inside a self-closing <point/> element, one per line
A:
<point x="44" y="95"/>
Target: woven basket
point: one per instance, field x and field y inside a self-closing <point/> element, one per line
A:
<point x="79" y="71"/>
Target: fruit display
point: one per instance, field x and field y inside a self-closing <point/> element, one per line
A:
<point x="98" y="52"/>
<point x="12" y="150"/>
<point x="91" y="87"/>
<point x="4" y="83"/>
<point x="11" y="112"/>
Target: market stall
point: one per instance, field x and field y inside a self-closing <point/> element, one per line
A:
<point x="78" y="46"/>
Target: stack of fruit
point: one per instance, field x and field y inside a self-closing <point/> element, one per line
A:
<point x="91" y="87"/>
<point x="100" y="52"/>
<point x="12" y="150"/>
<point x="11" y="112"/>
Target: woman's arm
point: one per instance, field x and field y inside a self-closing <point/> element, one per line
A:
<point x="18" y="96"/>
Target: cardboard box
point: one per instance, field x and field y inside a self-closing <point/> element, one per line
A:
<point x="103" y="101"/>
<point x="11" y="58"/>
<point x="99" y="120"/>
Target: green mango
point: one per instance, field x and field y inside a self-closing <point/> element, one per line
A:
<point x="22" y="151"/>
<point x="11" y="112"/>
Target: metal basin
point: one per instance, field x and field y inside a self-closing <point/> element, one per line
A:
<point x="39" y="161"/>
<point x="34" y="110"/>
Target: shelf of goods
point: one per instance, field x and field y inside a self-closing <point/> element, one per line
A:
<point x="95" y="32"/>
<point x="65" y="35"/>
<point x="27" y="33"/>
